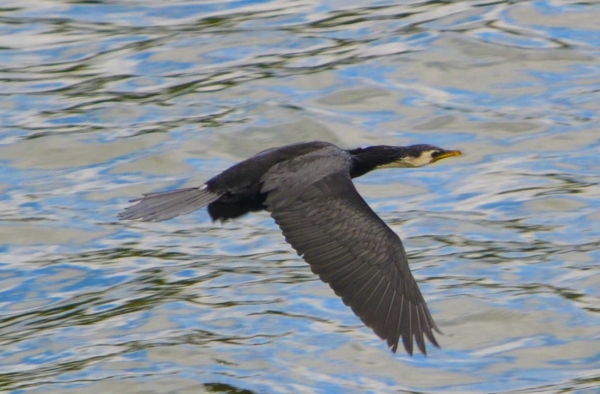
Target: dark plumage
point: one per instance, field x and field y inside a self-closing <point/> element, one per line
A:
<point x="307" y="187"/>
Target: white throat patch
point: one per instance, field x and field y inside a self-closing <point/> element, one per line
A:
<point x="411" y="162"/>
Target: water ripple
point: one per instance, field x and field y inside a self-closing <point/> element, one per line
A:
<point x="102" y="101"/>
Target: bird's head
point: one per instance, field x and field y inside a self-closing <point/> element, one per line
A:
<point x="383" y="156"/>
<point x="416" y="156"/>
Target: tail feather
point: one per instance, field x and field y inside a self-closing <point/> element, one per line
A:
<point x="166" y="205"/>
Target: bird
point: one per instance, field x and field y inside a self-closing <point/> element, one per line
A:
<point x="307" y="188"/>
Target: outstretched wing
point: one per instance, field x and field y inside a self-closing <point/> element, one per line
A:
<point x="314" y="202"/>
<point x="166" y="205"/>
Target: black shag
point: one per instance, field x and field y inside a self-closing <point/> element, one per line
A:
<point x="308" y="190"/>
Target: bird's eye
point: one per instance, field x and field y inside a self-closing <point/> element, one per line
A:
<point x="436" y="153"/>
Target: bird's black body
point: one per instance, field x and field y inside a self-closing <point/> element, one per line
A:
<point x="307" y="188"/>
<point x="240" y="184"/>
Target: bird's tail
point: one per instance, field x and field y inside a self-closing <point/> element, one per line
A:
<point x="166" y="205"/>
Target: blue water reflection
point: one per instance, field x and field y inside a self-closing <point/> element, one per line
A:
<point x="102" y="102"/>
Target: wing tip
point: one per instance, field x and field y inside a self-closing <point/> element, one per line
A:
<point x="409" y="343"/>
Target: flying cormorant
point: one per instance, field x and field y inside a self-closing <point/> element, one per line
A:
<point x="308" y="190"/>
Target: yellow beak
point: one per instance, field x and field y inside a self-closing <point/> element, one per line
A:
<point x="446" y="154"/>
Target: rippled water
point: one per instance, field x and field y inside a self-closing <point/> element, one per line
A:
<point x="103" y="100"/>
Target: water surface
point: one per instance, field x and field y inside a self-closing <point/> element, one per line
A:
<point x="101" y="101"/>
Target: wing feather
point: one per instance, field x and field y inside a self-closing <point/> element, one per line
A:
<point x="320" y="213"/>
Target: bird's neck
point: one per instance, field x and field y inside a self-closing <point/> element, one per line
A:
<point x="365" y="160"/>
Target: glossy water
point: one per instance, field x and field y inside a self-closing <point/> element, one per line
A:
<point x="103" y="100"/>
